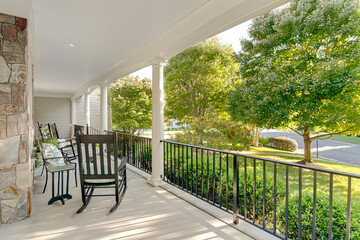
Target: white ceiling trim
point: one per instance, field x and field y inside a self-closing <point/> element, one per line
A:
<point x="210" y="19"/>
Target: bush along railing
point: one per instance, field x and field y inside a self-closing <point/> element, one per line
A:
<point x="291" y="201"/>
<point x="138" y="150"/>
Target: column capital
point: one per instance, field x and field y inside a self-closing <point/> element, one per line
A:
<point x="158" y="60"/>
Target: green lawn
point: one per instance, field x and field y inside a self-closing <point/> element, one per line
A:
<point x="340" y="183"/>
<point x="346" y="139"/>
<point x="270" y="150"/>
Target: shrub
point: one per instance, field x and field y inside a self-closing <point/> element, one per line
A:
<point x="283" y="143"/>
<point x="322" y="213"/>
<point x="195" y="178"/>
<point x="213" y="132"/>
<point x="264" y="140"/>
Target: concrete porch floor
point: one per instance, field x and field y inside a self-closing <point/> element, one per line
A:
<point x="145" y="213"/>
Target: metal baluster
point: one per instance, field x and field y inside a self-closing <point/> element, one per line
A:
<point x="254" y="190"/>
<point x="196" y="169"/>
<point x="187" y="167"/>
<point x="202" y="173"/>
<point x="314" y="209"/>
<point x="182" y="164"/>
<point x="299" y="207"/>
<point x="275" y="189"/>
<point x="171" y="173"/>
<point x="208" y="176"/>
<point x="214" y="183"/>
<point x="264" y="192"/>
<point x="287" y="204"/>
<point x="227" y="181"/>
<point x="235" y="190"/>
<point x="245" y="187"/>
<point x="330" y="205"/>
<point x="220" y="187"/>
<point x="192" y="173"/>
<point x="348" y="215"/>
<point x="178" y="166"/>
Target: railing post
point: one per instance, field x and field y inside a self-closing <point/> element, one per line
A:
<point x="235" y="190"/>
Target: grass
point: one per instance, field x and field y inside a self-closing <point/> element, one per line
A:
<point x="340" y="182"/>
<point x="270" y="150"/>
<point x="346" y="139"/>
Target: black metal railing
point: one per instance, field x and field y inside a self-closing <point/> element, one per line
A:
<point x="138" y="150"/>
<point x="91" y="130"/>
<point x="287" y="200"/>
<point x="79" y="128"/>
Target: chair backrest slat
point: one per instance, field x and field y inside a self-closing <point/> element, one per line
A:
<point x="102" y="158"/>
<point x="109" y="157"/>
<point x="96" y="162"/>
<point x="87" y="158"/>
<point x="94" y="158"/>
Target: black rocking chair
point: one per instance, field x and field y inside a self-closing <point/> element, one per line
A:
<point x="100" y="167"/>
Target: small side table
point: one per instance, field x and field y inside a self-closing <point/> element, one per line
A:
<point x="60" y="171"/>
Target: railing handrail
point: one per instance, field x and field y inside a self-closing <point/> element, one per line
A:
<point x="127" y="134"/>
<point x="269" y="160"/>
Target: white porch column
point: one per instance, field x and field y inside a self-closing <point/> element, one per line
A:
<point x="86" y="110"/>
<point x="157" y="123"/>
<point x="73" y="116"/>
<point x="103" y="109"/>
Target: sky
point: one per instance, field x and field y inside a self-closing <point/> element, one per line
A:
<point x="231" y="36"/>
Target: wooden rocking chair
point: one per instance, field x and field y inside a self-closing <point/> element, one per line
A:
<point x="100" y="167"/>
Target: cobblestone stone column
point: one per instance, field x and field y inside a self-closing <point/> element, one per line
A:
<point x="15" y="146"/>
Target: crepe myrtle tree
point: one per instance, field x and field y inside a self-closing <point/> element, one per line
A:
<point x="300" y="70"/>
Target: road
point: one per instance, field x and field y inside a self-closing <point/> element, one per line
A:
<point x="345" y="153"/>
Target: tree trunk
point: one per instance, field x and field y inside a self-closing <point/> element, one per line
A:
<point x="307" y="145"/>
<point x="255" y="136"/>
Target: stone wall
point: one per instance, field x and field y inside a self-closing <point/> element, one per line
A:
<point x="15" y="164"/>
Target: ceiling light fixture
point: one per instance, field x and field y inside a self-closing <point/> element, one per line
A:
<point x="71" y="45"/>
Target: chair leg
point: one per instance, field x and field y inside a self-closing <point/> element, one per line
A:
<point x="75" y="175"/>
<point x="42" y="169"/>
<point x="86" y="201"/>
<point x="120" y="193"/>
<point x="45" y="181"/>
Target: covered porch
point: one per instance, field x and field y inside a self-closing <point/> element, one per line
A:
<point x="53" y="55"/>
<point x="145" y="213"/>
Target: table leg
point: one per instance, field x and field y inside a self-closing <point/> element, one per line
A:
<point x="67" y="195"/>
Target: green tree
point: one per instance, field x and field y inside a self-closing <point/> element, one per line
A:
<point x="300" y="70"/>
<point x="130" y="100"/>
<point x="199" y="78"/>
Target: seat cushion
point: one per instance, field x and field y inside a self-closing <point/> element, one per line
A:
<point x="61" y="143"/>
<point x="109" y="181"/>
<point x="52" y="155"/>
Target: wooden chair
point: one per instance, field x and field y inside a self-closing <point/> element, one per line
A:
<point x="52" y="159"/>
<point x="66" y="145"/>
<point x="100" y="168"/>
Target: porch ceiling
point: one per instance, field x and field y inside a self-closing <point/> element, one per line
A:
<point x="113" y="38"/>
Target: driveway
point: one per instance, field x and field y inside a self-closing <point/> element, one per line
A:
<point x="345" y="153"/>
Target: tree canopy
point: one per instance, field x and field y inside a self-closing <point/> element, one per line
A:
<point x="130" y="100"/>
<point x="198" y="78"/>
<point x="300" y="70"/>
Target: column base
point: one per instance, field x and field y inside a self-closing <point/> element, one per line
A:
<point x="155" y="182"/>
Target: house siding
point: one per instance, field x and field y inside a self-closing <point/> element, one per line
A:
<point x="54" y="110"/>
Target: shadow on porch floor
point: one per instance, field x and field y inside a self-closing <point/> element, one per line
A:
<point x="145" y="213"/>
